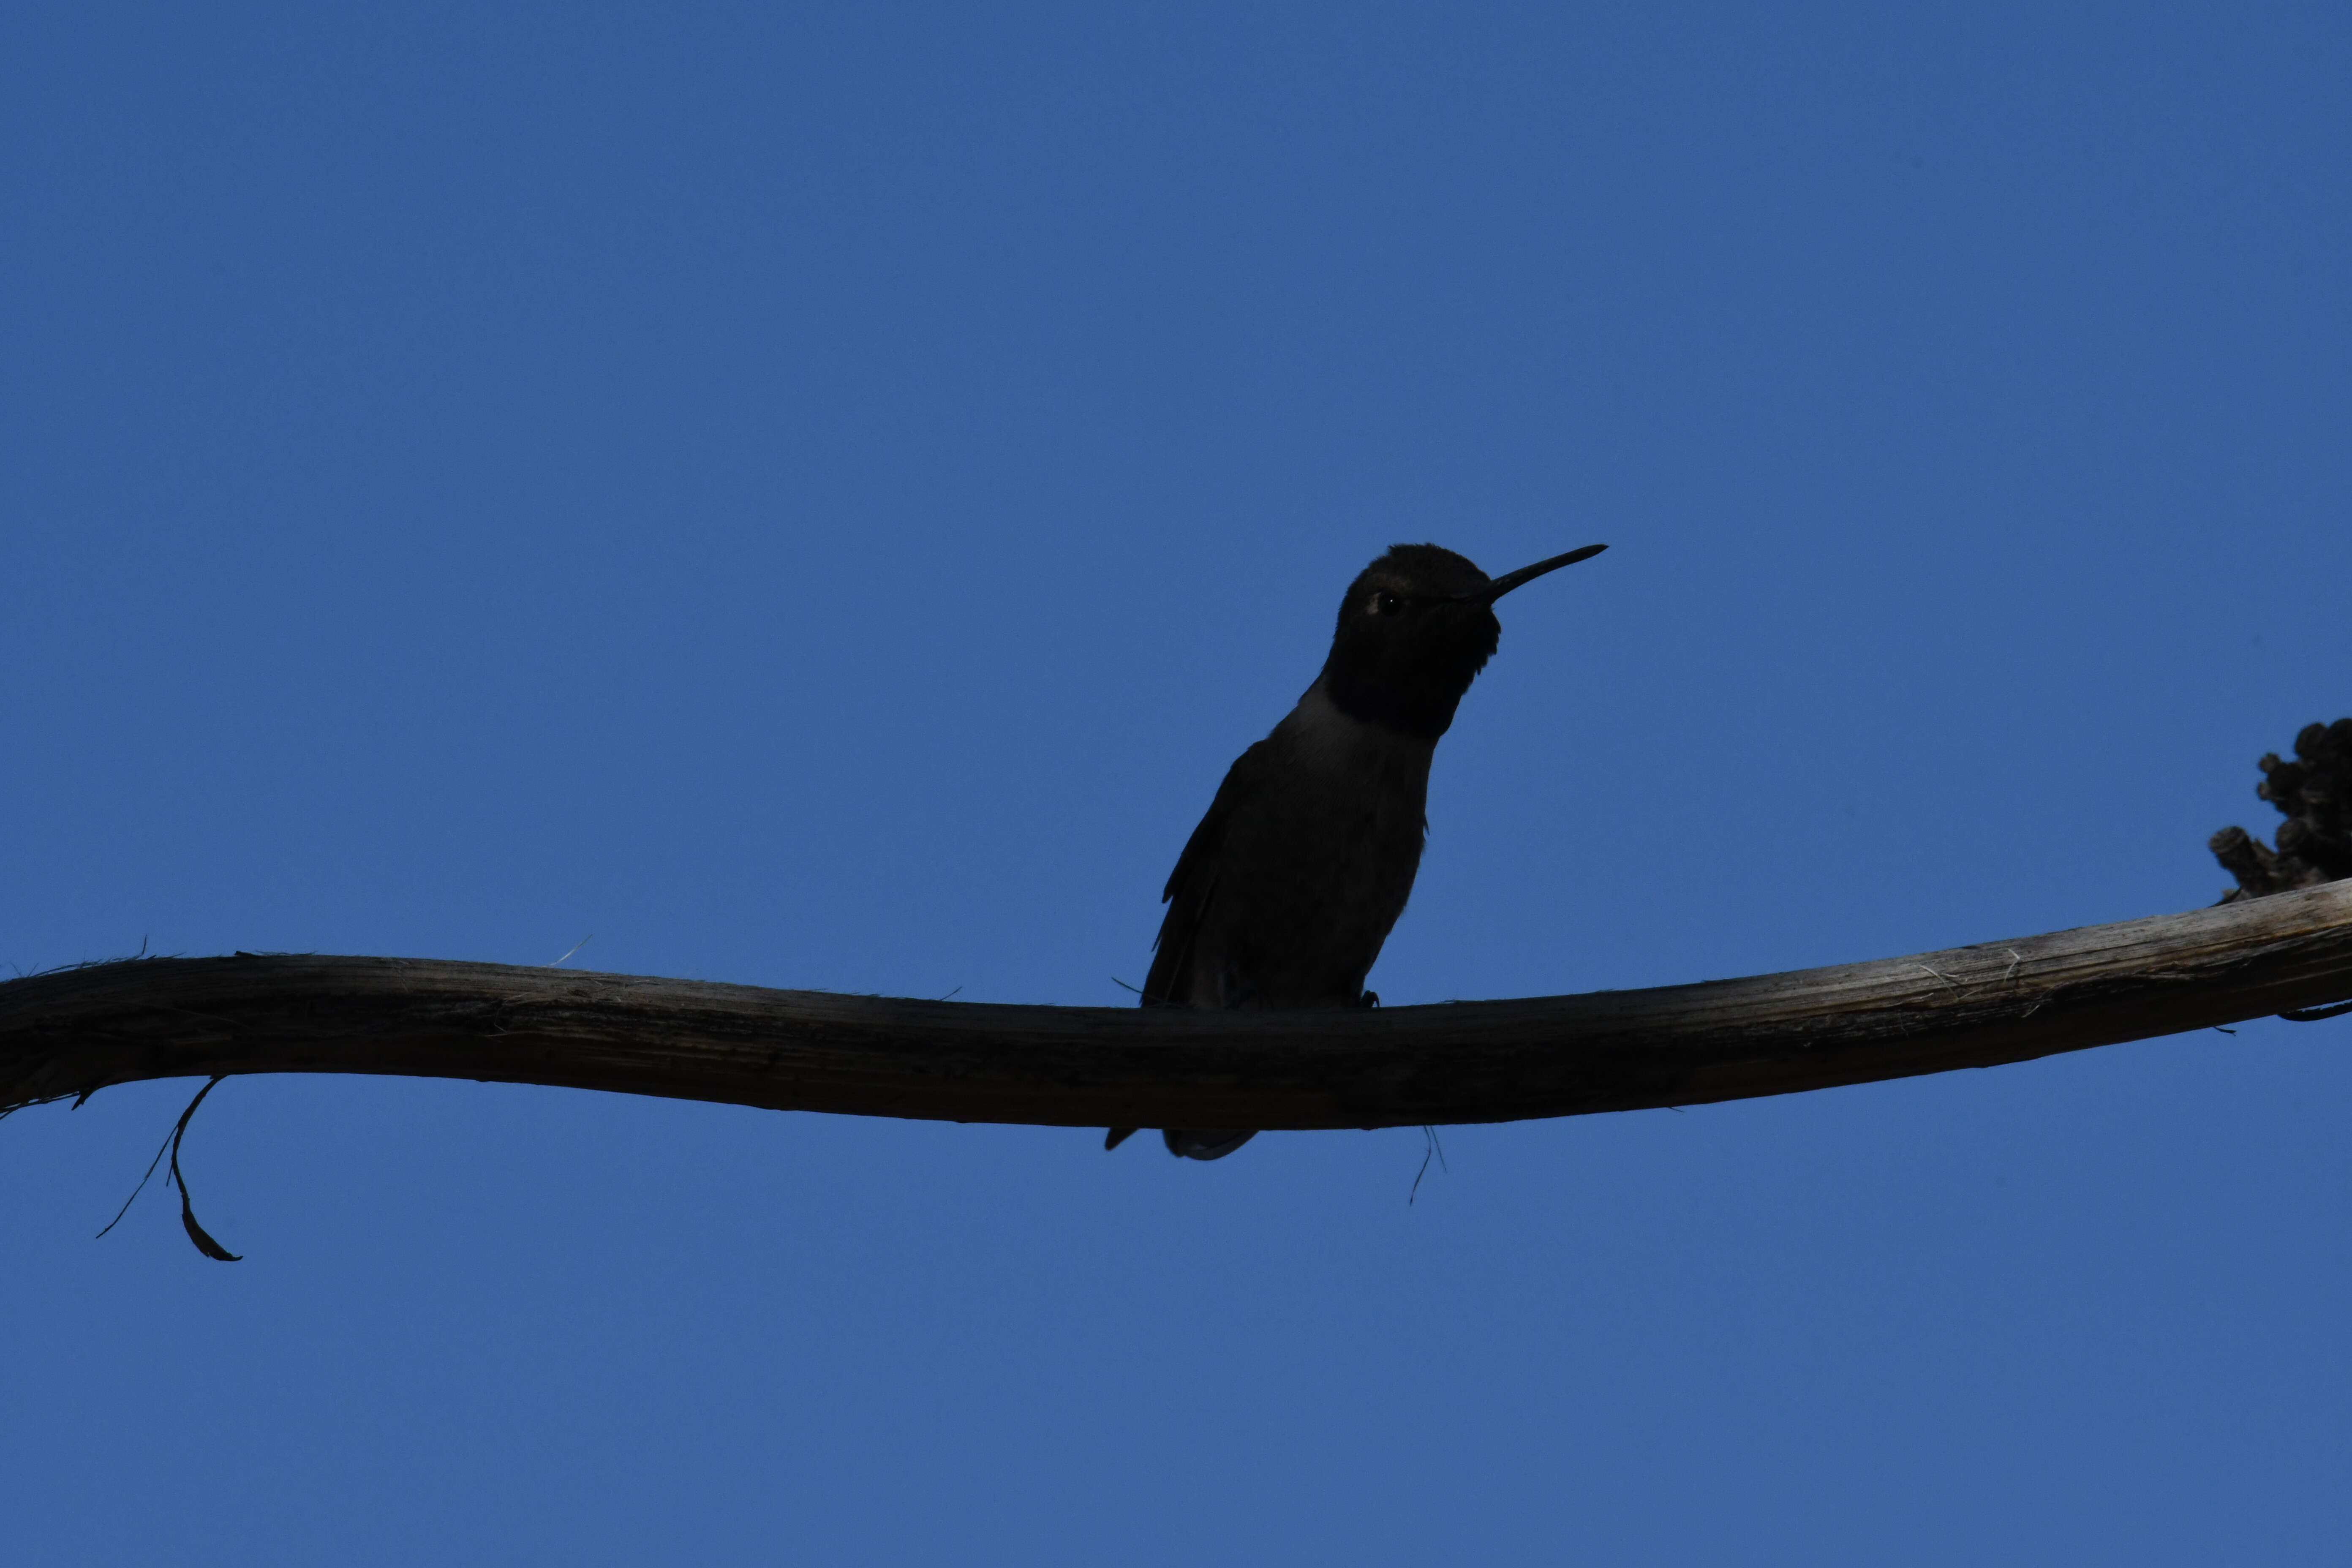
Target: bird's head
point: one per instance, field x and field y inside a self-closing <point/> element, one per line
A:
<point x="1416" y="627"/>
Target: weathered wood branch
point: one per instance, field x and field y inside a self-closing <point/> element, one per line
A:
<point x="79" y="1030"/>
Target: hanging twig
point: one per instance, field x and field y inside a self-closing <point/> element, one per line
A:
<point x="196" y="1233"/>
<point x="1429" y="1147"/>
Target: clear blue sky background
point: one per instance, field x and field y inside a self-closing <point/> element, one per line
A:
<point x="816" y="496"/>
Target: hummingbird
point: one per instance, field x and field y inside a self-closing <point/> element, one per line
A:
<point x="1290" y="884"/>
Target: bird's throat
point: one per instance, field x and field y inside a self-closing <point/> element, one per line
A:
<point x="1416" y="704"/>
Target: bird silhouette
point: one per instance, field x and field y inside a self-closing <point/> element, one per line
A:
<point x="1285" y="891"/>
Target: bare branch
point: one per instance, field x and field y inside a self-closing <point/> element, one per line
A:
<point x="73" y="1032"/>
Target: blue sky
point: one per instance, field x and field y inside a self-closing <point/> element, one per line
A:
<point x="817" y="497"/>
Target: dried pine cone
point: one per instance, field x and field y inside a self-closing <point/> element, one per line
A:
<point x="2315" y="843"/>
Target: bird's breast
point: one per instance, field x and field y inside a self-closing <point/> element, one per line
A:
<point x="1317" y="863"/>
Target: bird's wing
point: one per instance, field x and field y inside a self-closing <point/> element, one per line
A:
<point x="1194" y="884"/>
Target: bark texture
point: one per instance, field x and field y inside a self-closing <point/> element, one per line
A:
<point x="76" y="1031"/>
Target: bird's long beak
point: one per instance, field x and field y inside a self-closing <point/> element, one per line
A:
<point x="1510" y="579"/>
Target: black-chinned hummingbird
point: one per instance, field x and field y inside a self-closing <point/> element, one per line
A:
<point x="1285" y="891"/>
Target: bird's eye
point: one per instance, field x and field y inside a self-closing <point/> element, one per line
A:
<point x="1385" y="603"/>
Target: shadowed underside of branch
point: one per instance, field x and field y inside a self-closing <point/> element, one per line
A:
<point x="76" y="1031"/>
